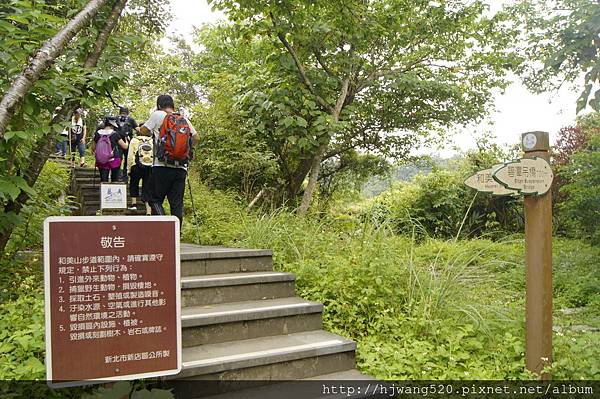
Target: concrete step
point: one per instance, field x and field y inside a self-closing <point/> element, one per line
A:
<point x="96" y="202"/>
<point x="342" y="384"/>
<point x="89" y="179"/>
<point x="249" y="319"/>
<point x="292" y="356"/>
<point x="91" y="195"/>
<point x="346" y="375"/>
<point x="78" y="171"/>
<point x="235" y="287"/>
<point x="91" y="211"/>
<point x="199" y="260"/>
<point x="60" y="160"/>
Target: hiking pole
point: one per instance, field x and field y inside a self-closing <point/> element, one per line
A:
<point x="194" y="209"/>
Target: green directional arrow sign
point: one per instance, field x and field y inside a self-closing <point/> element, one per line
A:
<point x="529" y="176"/>
<point x="482" y="181"/>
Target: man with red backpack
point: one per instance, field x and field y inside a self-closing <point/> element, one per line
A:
<point x="174" y="137"/>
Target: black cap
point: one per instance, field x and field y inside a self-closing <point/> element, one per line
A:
<point x="111" y="120"/>
<point x="123" y="110"/>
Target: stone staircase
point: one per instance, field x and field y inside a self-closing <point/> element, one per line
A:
<point x="85" y="187"/>
<point x="243" y="327"/>
<point x="241" y="321"/>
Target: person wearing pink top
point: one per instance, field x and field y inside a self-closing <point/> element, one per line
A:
<point x="118" y="144"/>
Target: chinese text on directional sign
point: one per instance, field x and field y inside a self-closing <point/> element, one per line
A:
<point x="529" y="176"/>
<point x="484" y="182"/>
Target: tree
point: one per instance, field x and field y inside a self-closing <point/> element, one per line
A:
<point x="79" y="77"/>
<point x="561" y="41"/>
<point x="571" y="141"/>
<point x="42" y="60"/>
<point x="380" y="69"/>
<point x="580" y="207"/>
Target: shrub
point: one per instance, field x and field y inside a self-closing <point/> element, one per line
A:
<point x="50" y="199"/>
<point x="440" y="205"/>
<point x="579" y="210"/>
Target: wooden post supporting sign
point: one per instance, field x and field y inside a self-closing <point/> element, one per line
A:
<point x="532" y="177"/>
<point x="538" y="265"/>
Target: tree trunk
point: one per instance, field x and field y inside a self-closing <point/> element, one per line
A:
<point x="103" y="36"/>
<point x="44" y="146"/>
<point x="295" y="179"/>
<point x="315" y="169"/>
<point x="42" y="60"/>
<point x="316" y="165"/>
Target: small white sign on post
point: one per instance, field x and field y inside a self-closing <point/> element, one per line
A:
<point x="113" y="196"/>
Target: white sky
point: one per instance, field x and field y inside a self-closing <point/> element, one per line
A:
<point x="517" y="110"/>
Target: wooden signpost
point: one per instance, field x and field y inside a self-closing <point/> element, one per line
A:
<point x="532" y="177"/>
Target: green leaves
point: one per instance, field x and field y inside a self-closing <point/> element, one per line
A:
<point x="565" y="39"/>
<point x="11" y="187"/>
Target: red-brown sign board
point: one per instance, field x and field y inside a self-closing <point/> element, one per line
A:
<point x="112" y="298"/>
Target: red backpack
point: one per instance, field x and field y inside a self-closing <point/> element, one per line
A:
<point x="175" y="144"/>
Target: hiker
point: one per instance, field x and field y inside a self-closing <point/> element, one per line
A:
<point x="140" y="159"/>
<point x="169" y="168"/>
<point x="127" y="125"/>
<point x="63" y="139"/>
<point x="108" y="148"/>
<point x="78" y="134"/>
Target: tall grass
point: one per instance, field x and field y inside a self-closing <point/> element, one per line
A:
<point x="418" y="307"/>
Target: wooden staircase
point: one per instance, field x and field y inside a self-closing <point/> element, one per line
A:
<point x="85" y="187"/>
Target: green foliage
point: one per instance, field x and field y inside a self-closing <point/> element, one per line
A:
<point x="133" y="390"/>
<point x="429" y="310"/>
<point x="562" y="35"/>
<point x="579" y="209"/>
<point x="48" y="198"/>
<point x="283" y="70"/>
<point x="440" y="205"/>
<point x="24" y="26"/>
<point x="219" y="214"/>
<point x="575" y="258"/>
<point x="419" y="309"/>
<point x="22" y="334"/>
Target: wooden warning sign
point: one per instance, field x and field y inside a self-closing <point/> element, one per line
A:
<point x="483" y="181"/>
<point x="112" y="298"/>
<point x="531" y="176"/>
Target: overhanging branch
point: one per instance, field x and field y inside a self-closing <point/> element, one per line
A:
<point x="300" y="67"/>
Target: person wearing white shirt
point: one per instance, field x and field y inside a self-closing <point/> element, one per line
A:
<point x="166" y="180"/>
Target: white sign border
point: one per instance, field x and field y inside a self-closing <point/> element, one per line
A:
<point x="47" y="293"/>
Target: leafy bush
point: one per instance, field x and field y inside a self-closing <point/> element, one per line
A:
<point x="49" y="199"/>
<point x="439" y="204"/>
<point x="22" y="334"/>
<point x="580" y="208"/>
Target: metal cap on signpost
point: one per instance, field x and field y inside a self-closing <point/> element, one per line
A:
<point x="538" y="265"/>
